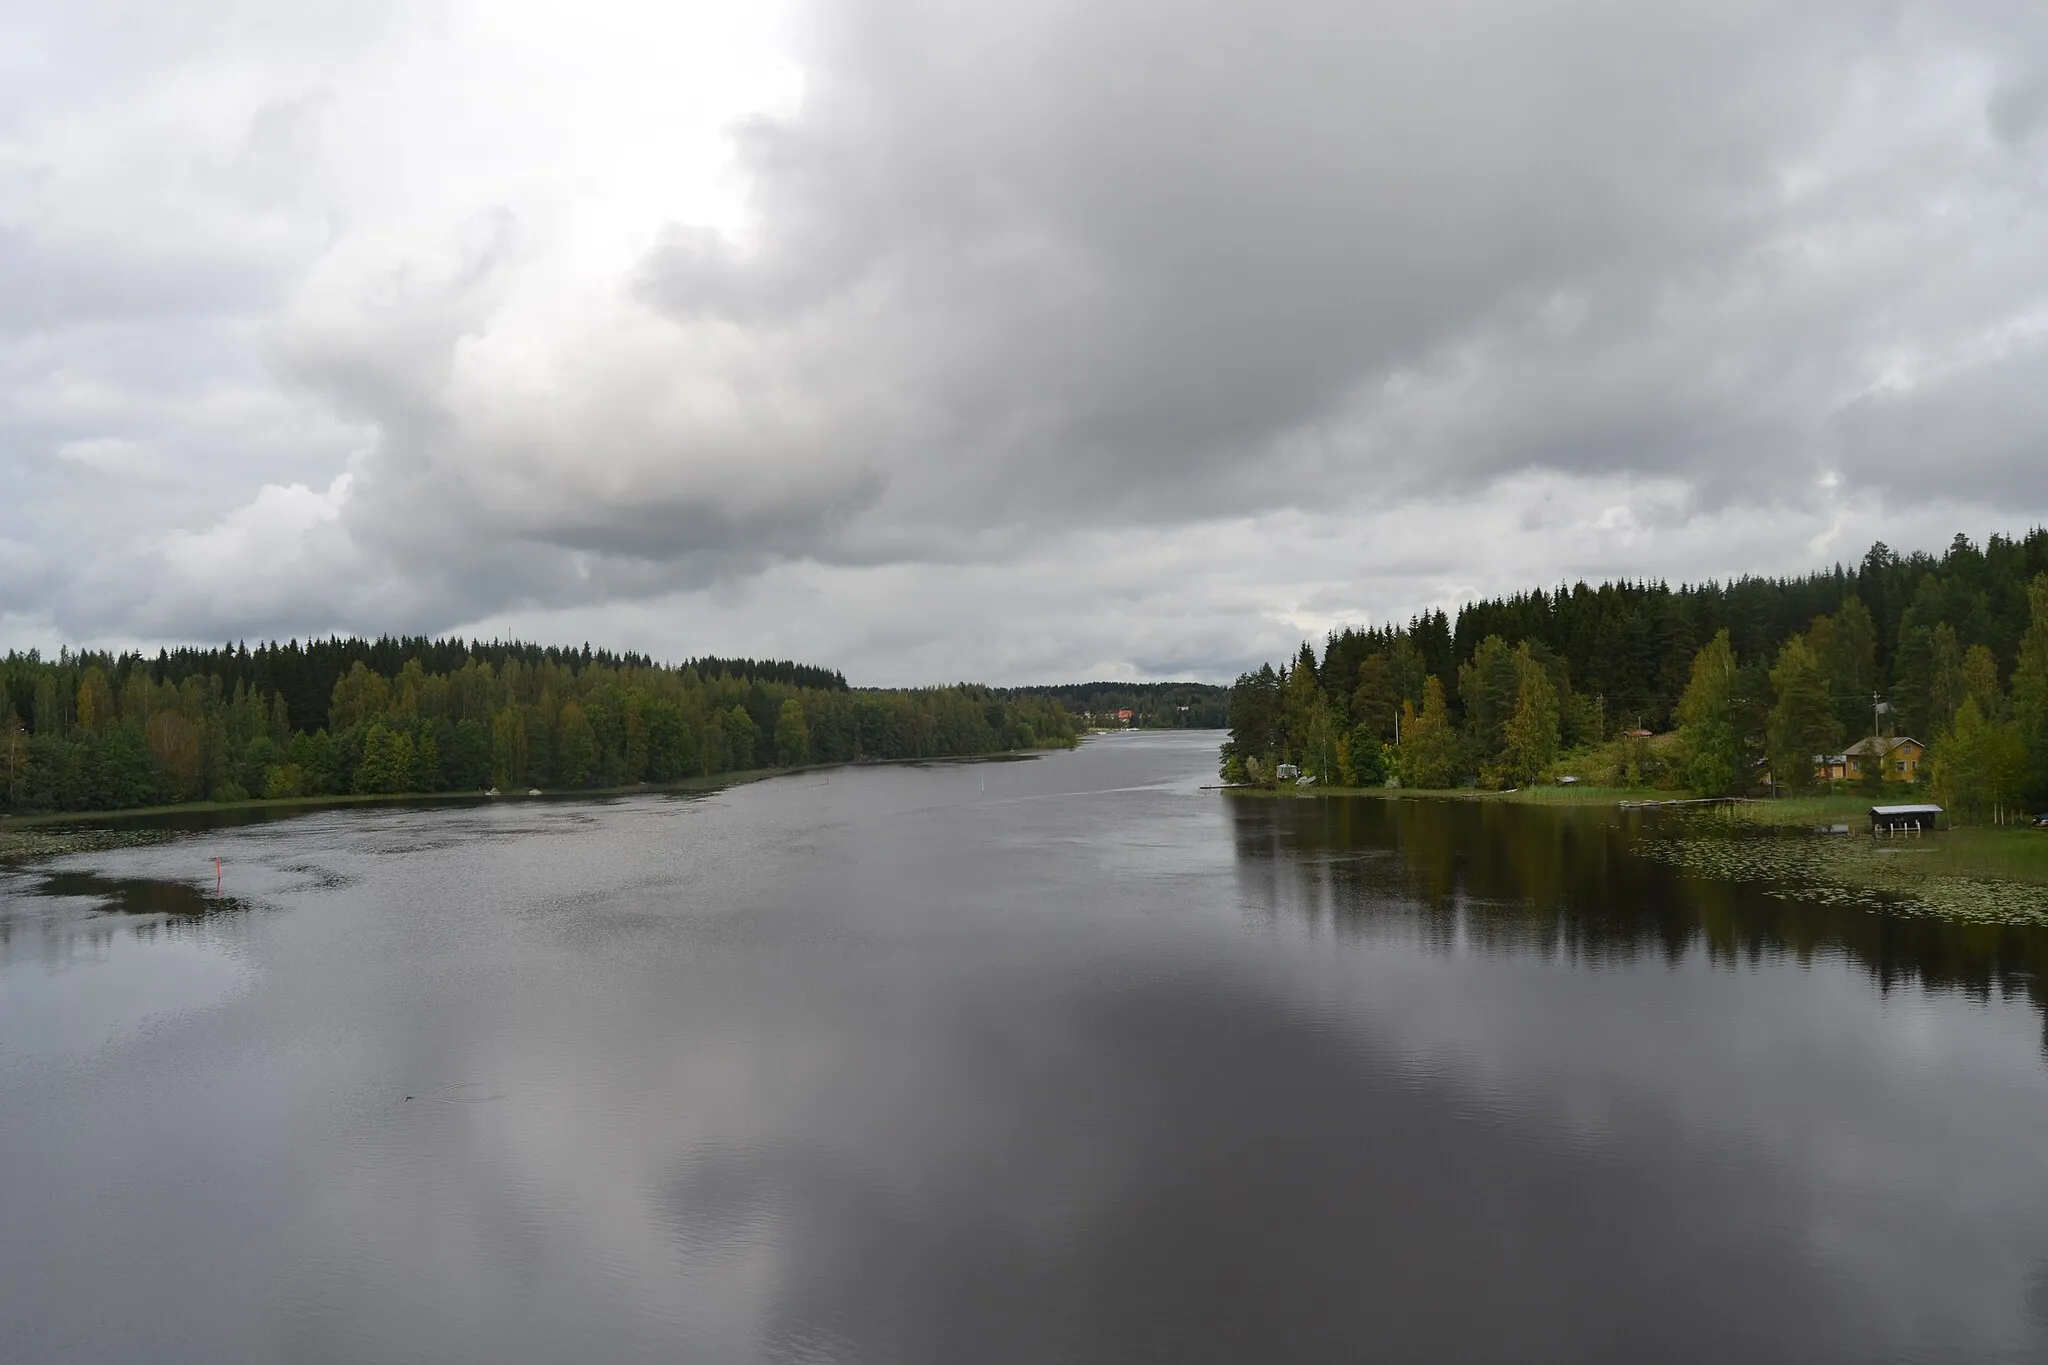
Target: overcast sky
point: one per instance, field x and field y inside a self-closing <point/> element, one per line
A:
<point x="1009" y="341"/>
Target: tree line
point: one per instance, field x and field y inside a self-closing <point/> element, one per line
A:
<point x="1746" y="683"/>
<point x="1153" y="706"/>
<point x="99" y="731"/>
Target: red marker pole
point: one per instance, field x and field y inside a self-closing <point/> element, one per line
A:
<point x="216" y="876"/>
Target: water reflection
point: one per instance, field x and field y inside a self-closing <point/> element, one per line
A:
<point x="1567" y="882"/>
<point x="137" y="895"/>
<point x="1063" y="1060"/>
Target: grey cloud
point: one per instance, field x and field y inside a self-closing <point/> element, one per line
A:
<point x="1165" y="247"/>
<point x="2019" y="111"/>
<point x="1016" y="276"/>
<point x="1980" y="435"/>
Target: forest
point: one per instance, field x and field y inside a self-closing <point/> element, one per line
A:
<point x="1712" y="688"/>
<point x="1153" y="706"/>
<point x="100" y="732"/>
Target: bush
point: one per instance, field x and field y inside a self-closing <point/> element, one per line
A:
<point x="282" y="780"/>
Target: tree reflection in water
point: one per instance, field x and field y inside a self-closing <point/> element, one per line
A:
<point x="1571" y="882"/>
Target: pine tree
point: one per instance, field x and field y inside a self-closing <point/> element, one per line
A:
<point x="1254" y="723"/>
<point x="1488" y="687"/>
<point x="1852" y="665"/>
<point x="1376" y="701"/>
<point x="1945" y="683"/>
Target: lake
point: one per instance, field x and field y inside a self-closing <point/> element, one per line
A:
<point x="1062" y="1059"/>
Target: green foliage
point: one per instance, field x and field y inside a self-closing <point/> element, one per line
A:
<point x="1803" y="717"/>
<point x="1488" y="685"/>
<point x="1364" y="762"/>
<point x="510" y="752"/>
<point x="1980" y="682"/>
<point x="673" y="749"/>
<point x="1849" y="651"/>
<point x="792" y="735"/>
<point x="1946" y="686"/>
<point x="111" y="732"/>
<point x="1756" y="669"/>
<point x="1429" y="744"/>
<point x="285" y="780"/>
<point x="1254" y="723"/>
<point x="2030" y="692"/>
<point x="743" y="737"/>
<point x="385" y="766"/>
<point x="1376" y="701"/>
<point x="1322" y="745"/>
<point x="1584" y="720"/>
<point x="575" y="748"/>
<point x="1711" y="754"/>
<point x="1530" y="738"/>
<point x="1980" y="766"/>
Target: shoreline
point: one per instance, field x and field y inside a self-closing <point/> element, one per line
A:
<point x="51" y="834"/>
<point x="337" y="800"/>
<point x="1796" y="847"/>
<point x="1523" y="796"/>
<point x="1763" y="810"/>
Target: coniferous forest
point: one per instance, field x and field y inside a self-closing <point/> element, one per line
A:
<point x="1711" y="688"/>
<point x="89" y="731"/>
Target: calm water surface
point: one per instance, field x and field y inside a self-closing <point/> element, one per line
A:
<point x="1058" y="1060"/>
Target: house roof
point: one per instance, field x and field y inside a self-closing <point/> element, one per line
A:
<point x="1906" y="810"/>
<point x="1878" y="744"/>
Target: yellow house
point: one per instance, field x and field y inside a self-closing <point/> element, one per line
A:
<point x="1897" y="758"/>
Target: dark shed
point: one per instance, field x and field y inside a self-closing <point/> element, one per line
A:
<point x="1892" y="819"/>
